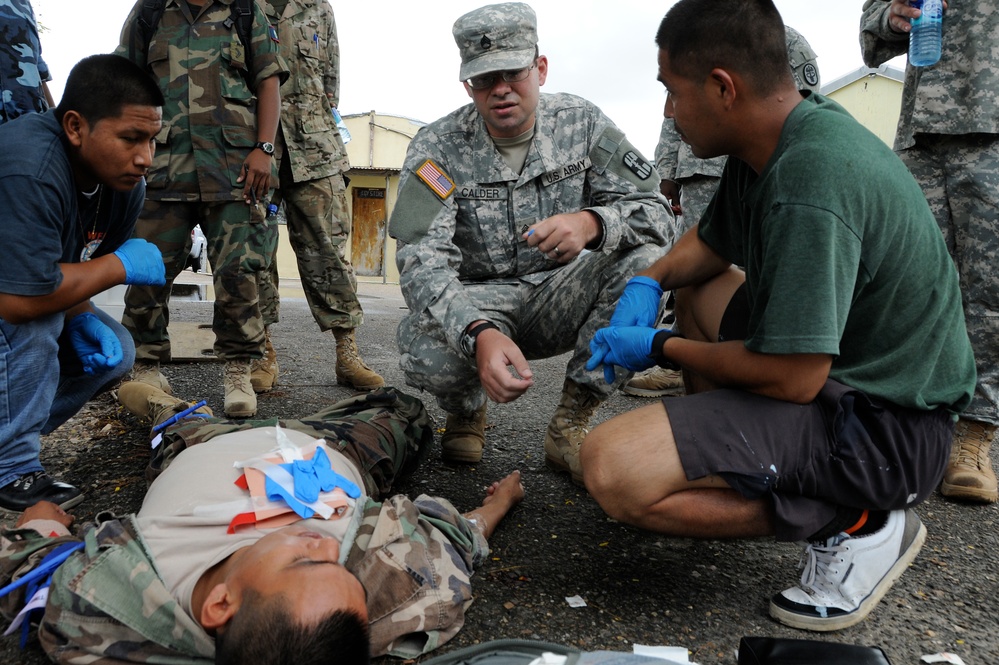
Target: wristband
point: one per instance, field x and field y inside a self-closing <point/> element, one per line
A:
<point x="657" y="349"/>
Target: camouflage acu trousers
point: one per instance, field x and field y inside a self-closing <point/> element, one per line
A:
<point x="695" y="195"/>
<point x="318" y="224"/>
<point x="385" y="432"/>
<point x="960" y="177"/>
<point x="558" y="312"/>
<point x="240" y="245"/>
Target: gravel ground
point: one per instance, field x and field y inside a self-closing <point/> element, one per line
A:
<point x="637" y="587"/>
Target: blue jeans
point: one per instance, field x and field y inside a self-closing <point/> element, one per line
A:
<point x="38" y="391"/>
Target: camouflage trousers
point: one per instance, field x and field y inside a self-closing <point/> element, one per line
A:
<point x="560" y="312"/>
<point x="695" y="195"/>
<point x="318" y="224"/>
<point x="240" y="245"/>
<point x="385" y="432"/>
<point x="960" y="177"/>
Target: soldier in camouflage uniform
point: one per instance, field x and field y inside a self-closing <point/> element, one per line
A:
<point x="312" y="162"/>
<point x="213" y="166"/>
<point x="120" y="597"/>
<point x="23" y="73"/>
<point x="948" y="136"/>
<point x="520" y="217"/>
<point x="689" y="183"/>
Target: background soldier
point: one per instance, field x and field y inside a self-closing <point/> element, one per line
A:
<point x="948" y="136"/>
<point x="312" y="164"/>
<point x="23" y="73"/>
<point x="213" y="166"/>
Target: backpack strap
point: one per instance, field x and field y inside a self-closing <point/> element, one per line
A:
<point x="145" y="25"/>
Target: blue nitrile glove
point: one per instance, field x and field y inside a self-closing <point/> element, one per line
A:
<point x="95" y="343"/>
<point x="638" y="304"/>
<point x="143" y="262"/>
<point x="626" y="346"/>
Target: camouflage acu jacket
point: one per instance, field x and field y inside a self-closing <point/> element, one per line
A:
<point x="462" y="210"/>
<point x="959" y="94"/>
<point x="309" y="46"/>
<point x="210" y="115"/>
<point x="107" y="603"/>
<point x="22" y="69"/>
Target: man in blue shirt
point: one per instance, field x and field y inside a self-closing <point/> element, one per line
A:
<point x="71" y="187"/>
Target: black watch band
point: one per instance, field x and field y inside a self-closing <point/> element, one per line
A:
<point x="657" y="349"/>
<point x="468" y="339"/>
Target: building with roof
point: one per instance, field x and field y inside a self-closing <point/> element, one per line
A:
<point x="376" y="150"/>
<point x="873" y="96"/>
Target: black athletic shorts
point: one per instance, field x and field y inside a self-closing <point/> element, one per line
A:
<point x="843" y="449"/>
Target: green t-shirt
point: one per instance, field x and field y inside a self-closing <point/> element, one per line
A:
<point x="843" y="256"/>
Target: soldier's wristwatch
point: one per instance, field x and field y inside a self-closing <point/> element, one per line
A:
<point x="267" y="147"/>
<point x="468" y="339"/>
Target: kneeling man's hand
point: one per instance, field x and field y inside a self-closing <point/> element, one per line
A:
<point x="95" y="343"/>
<point x="495" y="355"/>
<point x="638" y="304"/>
<point x="626" y="346"/>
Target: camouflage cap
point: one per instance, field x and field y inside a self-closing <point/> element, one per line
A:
<point x="496" y="38"/>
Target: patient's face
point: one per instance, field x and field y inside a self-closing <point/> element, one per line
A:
<point x="301" y="564"/>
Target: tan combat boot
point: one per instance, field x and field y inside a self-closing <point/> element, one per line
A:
<point x="350" y="369"/>
<point x="568" y="427"/>
<point x="264" y="371"/>
<point x="146" y="401"/>
<point x="969" y="473"/>
<point x="464" y="436"/>
<point x="657" y="382"/>
<point x="240" y="400"/>
<point x="149" y="372"/>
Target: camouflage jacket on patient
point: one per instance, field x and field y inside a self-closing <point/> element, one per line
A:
<point x="108" y="603"/>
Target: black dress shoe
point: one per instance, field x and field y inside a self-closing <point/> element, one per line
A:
<point x="29" y="489"/>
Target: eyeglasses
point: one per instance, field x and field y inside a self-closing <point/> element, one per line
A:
<point x="486" y="81"/>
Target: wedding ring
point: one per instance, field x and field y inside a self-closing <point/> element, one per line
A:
<point x="557" y="251"/>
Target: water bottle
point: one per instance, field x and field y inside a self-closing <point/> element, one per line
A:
<point x="342" y="126"/>
<point x="924" y="38"/>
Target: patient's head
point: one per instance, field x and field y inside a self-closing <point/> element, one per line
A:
<point x="287" y="599"/>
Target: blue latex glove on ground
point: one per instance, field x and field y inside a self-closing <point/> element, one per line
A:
<point x="638" y="304"/>
<point x="143" y="262"/>
<point x="95" y="343"/>
<point x="626" y="346"/>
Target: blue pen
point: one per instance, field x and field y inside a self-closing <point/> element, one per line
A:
<point x="315" y="38"/>
<point x="182" y="414"/>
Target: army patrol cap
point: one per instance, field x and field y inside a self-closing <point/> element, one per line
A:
<point x="496" y="38"/>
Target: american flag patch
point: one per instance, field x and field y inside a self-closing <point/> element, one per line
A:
<point x="435" y="179"/>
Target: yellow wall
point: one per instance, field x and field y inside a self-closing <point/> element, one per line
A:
<point x="875" y="101"/>
<point x="376" y="152"/>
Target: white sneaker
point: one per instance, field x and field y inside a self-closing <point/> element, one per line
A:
<point x="846" y="577"/>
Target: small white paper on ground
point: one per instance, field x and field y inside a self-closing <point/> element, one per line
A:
<point x="674" y="654"/>
<point x="944" y="657"/>
<point x="575" y="601"/>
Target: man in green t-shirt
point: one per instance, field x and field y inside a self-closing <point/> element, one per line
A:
<point x="823" y="377"/>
